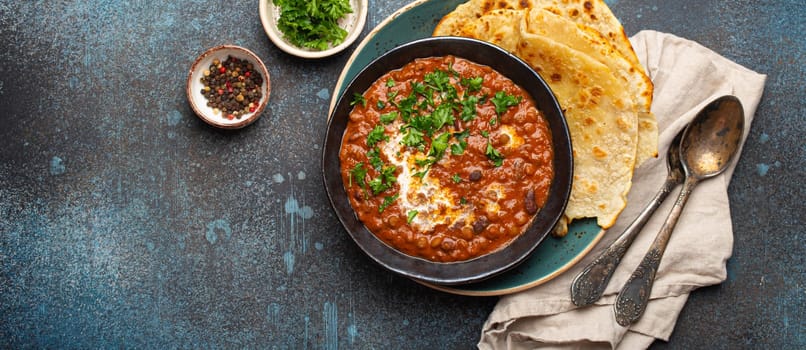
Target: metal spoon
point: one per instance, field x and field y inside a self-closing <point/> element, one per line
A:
<point x="590" y="284"/>
<point x="708" y="146"/>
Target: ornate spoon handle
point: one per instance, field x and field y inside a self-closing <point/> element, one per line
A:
<point x="632" y="300"/>
<point x="590" y="284"/>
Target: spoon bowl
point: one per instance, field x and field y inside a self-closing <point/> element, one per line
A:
<point x="712" y="138"/>
<point x="709" y="144"/>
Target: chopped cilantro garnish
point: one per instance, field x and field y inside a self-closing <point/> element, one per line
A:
<point x="423" y="123"/>
<point x="456" y="178"/>
<point x="374" y="156"/>
<point x="496" y="157"/>
<point x="463" y="201"/>
<point x="469" y="108"/>
<point x="418" y="88"/>
<point x="358" y="99"/>
<point x="312" y="24"/>
<point x="459" y="148"/>
<point x="413" y="138"/>
<point x="390" y="82"/>
<point x="376" y="135"/>
<point x="384" y="181"/>
<point x="438" y="146"/>
<point x="387" y="118"/>
<point x="411" y="214"/>
<point x="406" y="107"/>
<point x="472" y="84"/>
<point x="438" y="80"/>
<point x="380" y="105"/>
<point x="387" y="201"/>
<point x="485" y="133"/>
<point x="503" y="101"/>
<point x="442" y="116"/>
<point x="359" y="173"/>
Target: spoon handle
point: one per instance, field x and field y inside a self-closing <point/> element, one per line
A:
<point x="632" y="300"/>
<point x="589" y="285"/>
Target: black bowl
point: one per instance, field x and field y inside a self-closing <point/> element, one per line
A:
<point x="485" y="266"/>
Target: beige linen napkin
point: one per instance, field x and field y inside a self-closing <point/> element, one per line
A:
<point x="686" y="76"/>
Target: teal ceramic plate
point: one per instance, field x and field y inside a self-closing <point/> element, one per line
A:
<point x="555" y="255"/>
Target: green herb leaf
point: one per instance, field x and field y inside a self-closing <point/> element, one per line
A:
<point x="438" y="80"/>
<point x="438" y="145"/>
<point x="458" y="149"/>
<point x="359" y="173"/>
<point x="406" y="107"/>
<point x="358" y="99"/>
<point x="496" y="157"/>
<point x="411" y="215"/>
<point x="468" y="112"/>
<point x="376" y="135"/>
<point x="456" y="178"/>
<point x="312" y="24"/>
<point x="442" y="116"/>
<point x="413" y="138"/>
<point x="418" y="88"/>
<point x="384" y="181"/>
<point x="380" y="105"/>
<point x="387" y="201"/>
<point x="387" y="118"/>
<point x="374" y="156"/>
<point x="390" y="82"/>
<point x="472" y="84"/>
<point x="503" y="101"/>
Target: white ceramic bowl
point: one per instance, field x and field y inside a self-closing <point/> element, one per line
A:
<point x="353" y="23"/>
<point x="199" y="103"/>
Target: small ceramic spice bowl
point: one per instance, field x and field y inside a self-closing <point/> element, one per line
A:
<point x="228" y="87"/>
<point x="352" y="22"/>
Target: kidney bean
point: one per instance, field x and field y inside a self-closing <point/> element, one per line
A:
<point x="475" y="175"/>
<point x="480" y="224"/>
<point x="529" y="202"/>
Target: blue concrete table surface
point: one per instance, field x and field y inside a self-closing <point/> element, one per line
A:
<point x="126" y="222"/>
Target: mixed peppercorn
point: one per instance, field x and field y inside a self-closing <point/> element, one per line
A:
<point x="232" y="87"/>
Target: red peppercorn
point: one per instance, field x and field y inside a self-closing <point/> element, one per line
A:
<point x="220" y="91"/>
<point x="252" y="109"/>
<point x="230" y="117"/>
<point x="247" y="74"/>
<point x="222" y="69"/>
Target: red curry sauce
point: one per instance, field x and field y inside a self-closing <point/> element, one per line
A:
<point x="445" y="159"/>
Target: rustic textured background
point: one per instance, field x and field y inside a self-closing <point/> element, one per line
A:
<point x="127" y="222"/>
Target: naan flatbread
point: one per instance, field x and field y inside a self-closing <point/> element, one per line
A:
<point x="580" y="49"/>
<point x="600" y="114"/>
<point x="596" y="30"/>
<point x="592" y="43"/>
<point x="597" y="15"/>
<point x="452" y="23"/>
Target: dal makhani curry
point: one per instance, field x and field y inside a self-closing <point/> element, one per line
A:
<point x="445" y="159"/>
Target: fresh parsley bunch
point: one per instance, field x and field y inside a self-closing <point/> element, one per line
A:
<point x="313" y="23"/>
